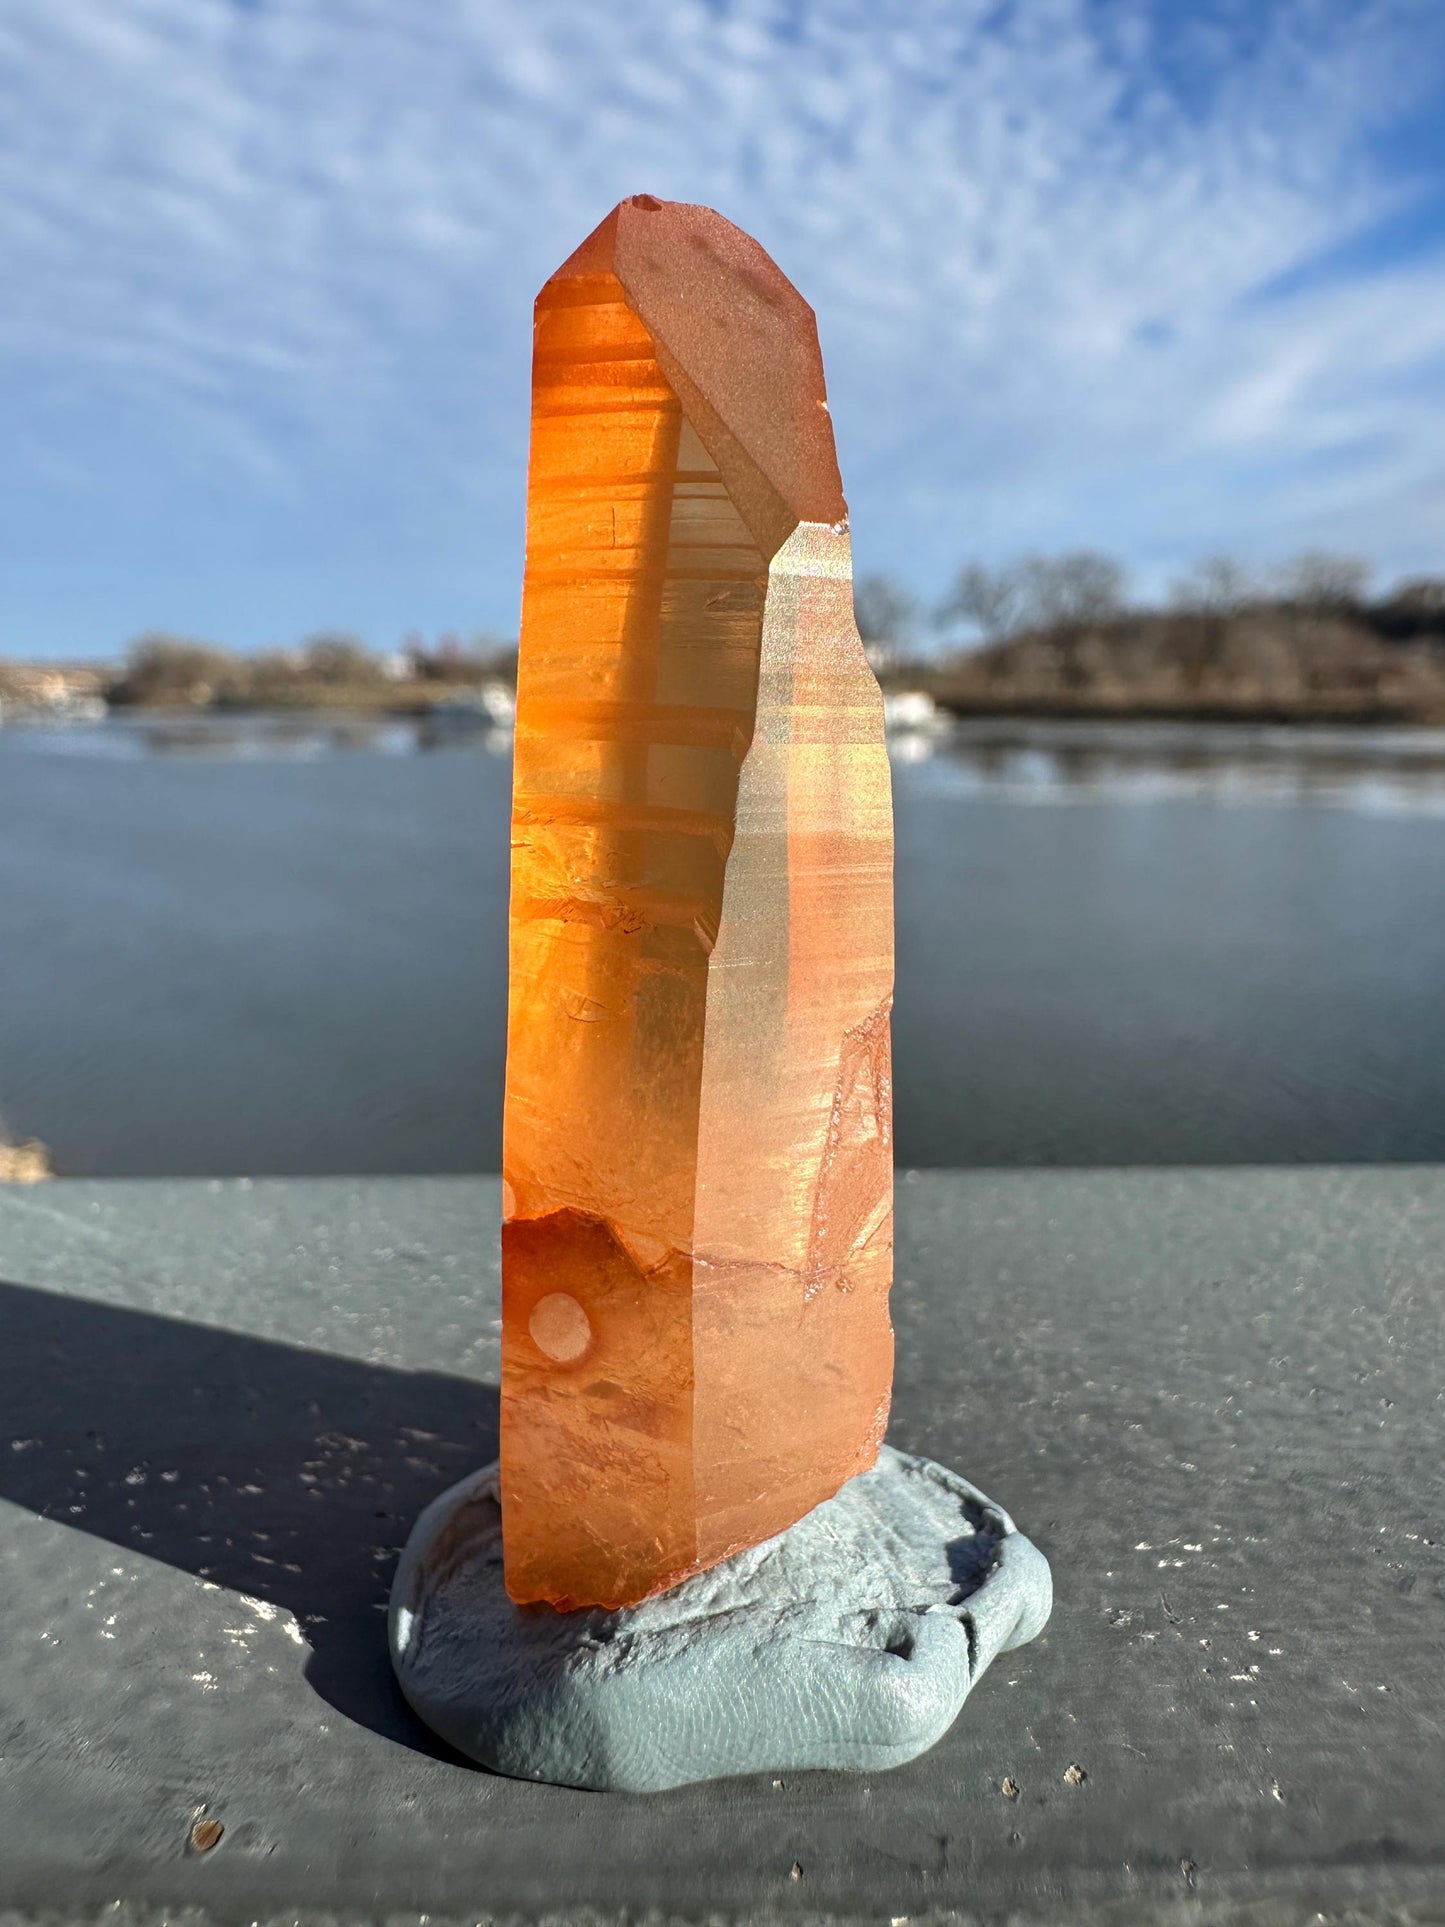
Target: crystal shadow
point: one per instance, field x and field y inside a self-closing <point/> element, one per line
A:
<point x="288" y="1475"/>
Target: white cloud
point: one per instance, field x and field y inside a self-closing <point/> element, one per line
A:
<point x="270" y="265"/>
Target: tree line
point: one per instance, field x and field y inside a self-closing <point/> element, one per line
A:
<point x="1039" y="632"/>
<point x="1060" y="635"/>
<point x="1039" y="594"/>
<point x="165" y="669"/>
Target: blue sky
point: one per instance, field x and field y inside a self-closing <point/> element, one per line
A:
<point x="1157" y="277"/>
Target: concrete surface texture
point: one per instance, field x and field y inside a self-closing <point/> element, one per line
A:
<point x="850" y="1641"/>
<point x="1213" y="1397"/>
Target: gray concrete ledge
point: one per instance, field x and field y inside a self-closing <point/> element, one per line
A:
<point x="1212" y="1397"/>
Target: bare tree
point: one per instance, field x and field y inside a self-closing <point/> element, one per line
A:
<point x="988" y="599"/>
<point x="1057" y="596"/>
<point x="886" y="615"/>
<point x="484" y="654"/>
<point x="1208" y="598"/>
<point x="275" y="669"/>
<point x="173" y="669"/>
<point x="1318" y="579"/>
<point x="1421" y="594"/>
<point x="1072" y="590"/>
<point x="493" y="654"/>
<point x="332" y="656"/>
<point x="1216" y="585"/>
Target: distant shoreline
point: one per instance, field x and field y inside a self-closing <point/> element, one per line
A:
<point x="1281" y="713"/>
<point x="420" y="702"/>
<point x="1326" y="658"/>
<point x="406" y="700"/>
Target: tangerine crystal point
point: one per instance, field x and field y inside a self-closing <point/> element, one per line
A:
<point x="697" y="1246"/>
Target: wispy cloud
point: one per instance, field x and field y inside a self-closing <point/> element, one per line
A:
<point x="269" y="269"/>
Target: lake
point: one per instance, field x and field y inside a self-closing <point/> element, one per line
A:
<point x="278" y="945"/>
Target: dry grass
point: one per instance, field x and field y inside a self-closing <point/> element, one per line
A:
<point x="1264" y="664"/>
<point x="369" y="698"/>
<point x="393" y="698"/>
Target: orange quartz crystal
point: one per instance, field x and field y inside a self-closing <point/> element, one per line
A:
<point x="697" y="1246"/>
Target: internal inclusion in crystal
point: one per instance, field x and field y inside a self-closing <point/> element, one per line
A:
<point x="698" y="1156"/>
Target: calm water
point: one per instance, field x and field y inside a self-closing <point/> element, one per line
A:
<point x="281" y="947"/>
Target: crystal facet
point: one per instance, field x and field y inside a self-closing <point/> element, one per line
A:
<point x="697" y="1245"/>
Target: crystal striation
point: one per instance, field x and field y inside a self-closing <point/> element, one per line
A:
<point x="697" y="1244"/>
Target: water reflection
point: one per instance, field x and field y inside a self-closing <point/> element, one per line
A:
<point x="279" y="943"/>
<point x="1396" y="771"/>
<point x="265" y="736"/>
